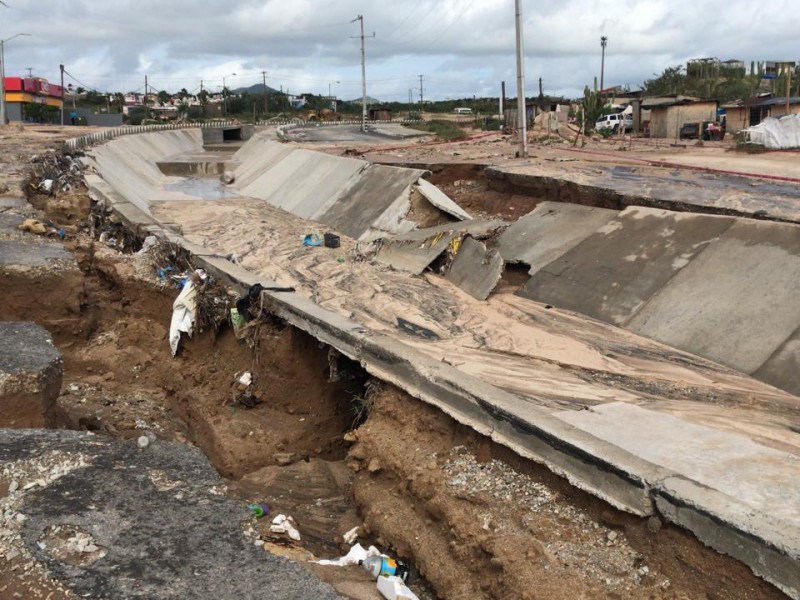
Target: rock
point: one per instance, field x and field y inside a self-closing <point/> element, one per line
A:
<point x="13" y="486"/>
<point x="612" y="535"/>
<point x="228" y="177"/>
<point x="611" y="518"/>
<point x="283" y="458"/>
<point x="143" y="442"/>
<point x="654" y="524"/>
<point x="374" y="465"/>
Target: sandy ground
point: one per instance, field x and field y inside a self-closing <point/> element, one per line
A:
<point x="472" y="519"/>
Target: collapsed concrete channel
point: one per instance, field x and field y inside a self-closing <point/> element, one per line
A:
<point x="569" y="447"/>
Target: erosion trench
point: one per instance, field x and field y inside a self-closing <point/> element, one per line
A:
<point x="471" y="517"/>
<point x="337" y="448"/>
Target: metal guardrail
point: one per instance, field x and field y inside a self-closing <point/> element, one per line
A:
<point x="114" y="132"/>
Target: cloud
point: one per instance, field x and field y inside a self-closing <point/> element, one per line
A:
<point x="463" y="47"/>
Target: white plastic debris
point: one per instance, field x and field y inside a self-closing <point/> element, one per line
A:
<point x="143" y="442"/>
<point x="284" y="524"/>
<point x="184" y="310"/>
<point x="150" y="242"/>
<point x="46" y="186"/>
<point x="245" y="378"/>
<point x="356" y="555"/>
<point x="393" y="588"/>
<point x="351" y="536"/>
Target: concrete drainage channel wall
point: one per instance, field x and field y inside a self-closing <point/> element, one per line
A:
<point x="766" y="545"/>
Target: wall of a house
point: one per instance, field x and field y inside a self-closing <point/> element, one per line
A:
<point x="666" y="122"/>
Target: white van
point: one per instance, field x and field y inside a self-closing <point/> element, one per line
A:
<point x="614" y="122"/>
<point x="463" y="111"/>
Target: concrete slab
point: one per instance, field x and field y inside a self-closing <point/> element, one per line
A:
<point x="140" y="509"/>
<point x="441" y="200"/>
<point x="782" y="367"/>
<point x="752" y="489"/>
<point x="257" y="156"/>
<point x="475" y="269"/>
<point x="30" y="253"/>
<point x="303" y="181"/>
<point x="414" y="251"/>
<point x="736" y="302"/>
<point x="550" y="230"/>
<point x="30" y="375"/>
<point x="615" y="271"/>
<point x="364" y="202"/>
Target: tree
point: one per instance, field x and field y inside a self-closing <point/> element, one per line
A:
<point x="203" y="98"/>
<point x="671" y="81"/>
<point x="183" y="94"/>
<point x="164" y="97"/>
<point x="593" y="107"/>
<point x="183" y="109"/>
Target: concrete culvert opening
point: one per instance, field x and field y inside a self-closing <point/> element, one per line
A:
<point x="232" y="135"/>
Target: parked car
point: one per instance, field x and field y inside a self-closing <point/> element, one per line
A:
<point x="701" y="131"/>
<point x="614" y="122"/>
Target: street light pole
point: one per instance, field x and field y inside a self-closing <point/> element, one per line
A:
<point x="224" y="98"/>
<point x="603" y="42"/>
<point x="3" y="118"/>
<point x="330" y="99"/>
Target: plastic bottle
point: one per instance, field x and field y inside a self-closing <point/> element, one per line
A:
<point x="258" y="510"/>
<point x="383" y="566"/>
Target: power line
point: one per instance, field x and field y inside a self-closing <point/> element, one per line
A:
<point x="403" y="22"/>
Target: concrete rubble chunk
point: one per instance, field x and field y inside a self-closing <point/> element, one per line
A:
<point x="30" y="375"/>
<point x="549" y="231"/>
<point x="414" y="251"/>
<point x="475" y="269"/>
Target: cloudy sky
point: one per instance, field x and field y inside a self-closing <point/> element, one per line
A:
<point x="461" y="47"/>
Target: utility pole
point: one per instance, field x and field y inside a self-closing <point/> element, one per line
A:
<point x="30" y="72"/>
<point x="146" y="112"/>
<point x="409" y="102"/>
<point x="603" y="42"/>
<point x="522" y="114"/>
<point x="502" y="98"/>
<point x="421" y="99"/>
<point x="2" y="84"/>
<point x="264" y="79"/>
<point x="363" y="75"/>
<point x="788" y="87"/>
<point x="62" y="94"/>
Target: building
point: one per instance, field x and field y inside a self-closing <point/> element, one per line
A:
<point x="380" y="114"/>
<point x="748" y="113"/>
<point x="669" y="113"/>
<point x="33" y="99"/>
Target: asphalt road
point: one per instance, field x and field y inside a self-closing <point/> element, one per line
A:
<point x="352" y="133"/>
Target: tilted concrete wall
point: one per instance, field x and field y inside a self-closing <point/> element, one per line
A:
<point x="349" y="195"/>
<point x="721" y="287"/>
<point x="129" y="164"/>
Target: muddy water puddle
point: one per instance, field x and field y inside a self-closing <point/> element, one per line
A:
<point x="202" y="188"/>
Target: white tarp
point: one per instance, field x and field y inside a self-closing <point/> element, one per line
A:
<point x="780" y="133"/>
<point x="183" y="312"/>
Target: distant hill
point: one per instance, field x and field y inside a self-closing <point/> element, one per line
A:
<point x="255" y="89"/>
<point x="370" y="100"/>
